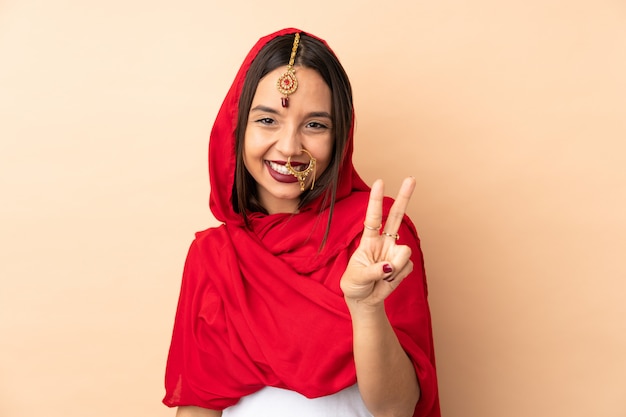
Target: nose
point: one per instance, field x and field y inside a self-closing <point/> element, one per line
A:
<point x="288" y="142"/>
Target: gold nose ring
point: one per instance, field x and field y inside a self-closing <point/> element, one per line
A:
<point x="301" y="175"/>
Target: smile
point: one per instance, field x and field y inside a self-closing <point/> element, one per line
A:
<point x="282" y="169"/>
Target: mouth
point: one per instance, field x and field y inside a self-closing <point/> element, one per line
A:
<point x="280" y="167"/>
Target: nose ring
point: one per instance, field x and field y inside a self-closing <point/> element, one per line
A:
<point x="301" y="175"/>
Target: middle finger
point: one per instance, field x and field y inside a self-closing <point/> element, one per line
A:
<point x="396" y="213"/>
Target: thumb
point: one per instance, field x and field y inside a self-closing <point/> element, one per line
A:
<point x="373" y="273"/>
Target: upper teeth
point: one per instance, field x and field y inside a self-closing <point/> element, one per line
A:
<point x="282" y="169"/>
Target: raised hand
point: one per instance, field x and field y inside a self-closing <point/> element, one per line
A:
<point x="379" y="264"/>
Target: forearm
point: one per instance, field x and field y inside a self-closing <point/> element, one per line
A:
<point x="189" y="411"/>
<point x="385" y="374"/>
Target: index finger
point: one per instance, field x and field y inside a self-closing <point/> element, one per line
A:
<point x="374" y="213"/>
<point x="396" y="213"/>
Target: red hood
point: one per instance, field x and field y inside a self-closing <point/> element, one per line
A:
<point x="222" y="146"/>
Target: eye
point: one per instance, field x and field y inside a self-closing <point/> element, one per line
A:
<point x="266" y="121"/>
<point x="317" y="125"/>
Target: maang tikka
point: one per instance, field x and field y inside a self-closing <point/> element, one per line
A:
<point x="287" y="83"/>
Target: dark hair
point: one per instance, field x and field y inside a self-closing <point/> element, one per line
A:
<point x="314" y="54"/>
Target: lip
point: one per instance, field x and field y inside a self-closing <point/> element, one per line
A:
<point x="281" y="177"/>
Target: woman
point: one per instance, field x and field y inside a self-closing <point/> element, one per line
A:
<point x="310" y="299"/>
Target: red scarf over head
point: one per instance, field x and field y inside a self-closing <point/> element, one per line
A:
<point x="261" y="305"/>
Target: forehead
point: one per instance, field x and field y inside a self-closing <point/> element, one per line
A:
<point x="312" y="90"/>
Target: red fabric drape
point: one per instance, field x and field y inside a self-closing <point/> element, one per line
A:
<point x="261" y="305"/>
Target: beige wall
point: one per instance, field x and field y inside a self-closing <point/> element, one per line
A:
<point x="510" y="114"/>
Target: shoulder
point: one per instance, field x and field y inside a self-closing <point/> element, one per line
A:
<point x="204" y="246"/>
<point x="211" y="238"/>
<point x="210" y="233"/>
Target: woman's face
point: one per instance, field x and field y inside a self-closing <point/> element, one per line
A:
<point x="274" y="133"/>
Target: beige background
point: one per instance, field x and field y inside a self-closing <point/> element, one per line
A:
<point x="510" y="114"/>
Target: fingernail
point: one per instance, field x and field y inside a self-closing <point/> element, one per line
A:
<point x="387" y="269"/>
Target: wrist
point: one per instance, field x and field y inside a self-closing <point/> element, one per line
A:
<point x="365" y="309"/>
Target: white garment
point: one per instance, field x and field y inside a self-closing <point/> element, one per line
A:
<point x="277" y="402"/>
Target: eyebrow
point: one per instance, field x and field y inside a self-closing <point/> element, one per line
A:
<point x="320" y="114"/>
<point x="271" y="110"/>
<point x="265" y="109"/>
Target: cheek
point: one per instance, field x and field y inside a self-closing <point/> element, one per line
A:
<point x="324" y="154"/>
<point x="254" y="144"/>
<point x="250" y="148"/>
<point x="248" y="154"/>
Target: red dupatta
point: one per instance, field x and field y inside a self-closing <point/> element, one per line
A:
<point x="261" y="305"/>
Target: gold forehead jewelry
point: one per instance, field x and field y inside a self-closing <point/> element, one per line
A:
<point x="301" y="175"/>
<point x="287" y="83"/>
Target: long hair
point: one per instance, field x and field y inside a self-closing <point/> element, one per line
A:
<point x="312" y="54"/>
